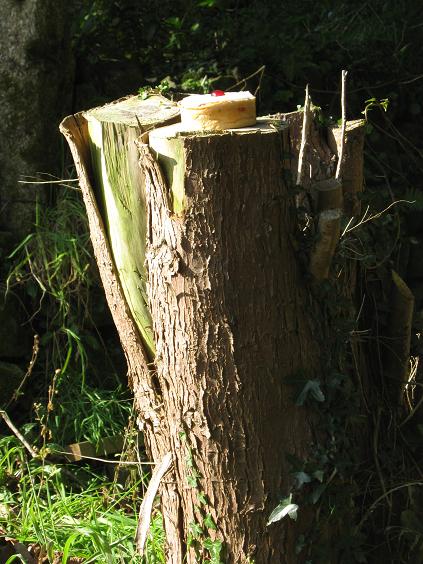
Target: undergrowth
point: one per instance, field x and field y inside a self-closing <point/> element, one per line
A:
<point x="363" y="478"/>
<point x="74" y="390"/>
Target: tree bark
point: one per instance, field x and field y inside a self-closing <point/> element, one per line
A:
<point x="231" y="328"/>
<point x="353" y="162"/>
<point x="232" y="325"/>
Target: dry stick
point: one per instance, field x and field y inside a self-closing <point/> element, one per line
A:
<point x="344" y="122"/>
<point x="329" y="228"/>
<point x="35" y="351"/>
<point x="147" y="502"/>
<point x="17" y="433"/>
<point x="399" y="332"/>
<point x="330" y="220"/>
<point x="303" y="137"/>
<point x="329" y="194"/>
<point x="383" y="496"/>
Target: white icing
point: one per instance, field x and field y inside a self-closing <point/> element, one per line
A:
<point x="196" y="100"/>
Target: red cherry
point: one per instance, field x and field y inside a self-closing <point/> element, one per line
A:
<point x="217" y="93"/>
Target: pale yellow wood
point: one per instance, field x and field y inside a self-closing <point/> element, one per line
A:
<point x="216" y="113"/>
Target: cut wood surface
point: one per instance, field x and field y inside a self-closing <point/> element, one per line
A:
<point x="208" y="112"/>
<point x="167" y="144"/>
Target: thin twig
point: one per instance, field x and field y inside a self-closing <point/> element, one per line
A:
<point x="412" y="412"/>
<point x="365" y="219"/>
<point x="35" y="350"/>
<point x="244" y="80"/>
<point x="18" y="434"/>
<point x="383" y="496"/>
<point x="303" y="137"/>
<point x="147" y="502"/>
<point x="48" y="181"/>
<point x="344" y="122"/>
<point x="104" y="460"/>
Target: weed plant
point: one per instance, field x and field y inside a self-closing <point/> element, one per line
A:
<point x="73" y="393"/>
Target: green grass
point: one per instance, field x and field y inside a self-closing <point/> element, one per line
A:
<point x="86" y="517"/>
<point x="74" y="393"/>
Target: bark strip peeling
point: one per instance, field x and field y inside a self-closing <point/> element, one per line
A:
<point x="75" y="130"/>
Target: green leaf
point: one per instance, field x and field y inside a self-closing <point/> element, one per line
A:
<point x="174" y="22"/>
<point x="196" y="530"/>
<point x="209" y="523"/>
<point x="318" y="474"/>
<point x="202" y="498"/>
<point x="312" y="387"/>
<point x="192" y="481"/>
<point x="282" y="510"/>
<point x="317" y="492"/>
<point x="206" y="3"/>
<point x="302" y="478"/>
<point x="214" y="547"/>
<point x="67" y="547"/>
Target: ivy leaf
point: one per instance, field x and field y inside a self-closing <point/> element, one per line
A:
<point x="192" y="481"/>
<point x="196" y="530"/>
<point x="209" y="523"/>
<point x="202" y="498"/>
<point x="312" y="387"/>
<point x="317" y="492"/>
<point x="318" y="474"/>
<point x="282" y="510"/>
<point x="302" y="478"/>
<point x="215" y="548"/>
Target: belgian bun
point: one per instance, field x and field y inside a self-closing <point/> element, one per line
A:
<point x="210" y="112"/>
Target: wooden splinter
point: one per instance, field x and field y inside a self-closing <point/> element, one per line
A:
<point x="352" y="162"/>
<point x="328" y="194"/>
<point x="398" y="334"/>
<point x="329" y="229"/>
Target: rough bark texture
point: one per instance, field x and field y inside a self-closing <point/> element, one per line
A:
<point x="232" y="329"/>
<point x="36" y="71"/>
<point x="229" y="314"/>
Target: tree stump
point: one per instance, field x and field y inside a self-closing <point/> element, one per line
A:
<point x="232" y="329"/>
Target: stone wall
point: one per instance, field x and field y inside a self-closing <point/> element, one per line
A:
<point x="36" y="84"/>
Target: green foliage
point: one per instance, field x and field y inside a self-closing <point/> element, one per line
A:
<point x="77" y="395"/>
<point x="71" y="510"/>
<point x="193" y="47"/>
<point x="207" y="549"/>
<point x="283" y="509"/>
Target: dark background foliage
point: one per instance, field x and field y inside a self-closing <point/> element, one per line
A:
<point x="200" y="45"/>
<point x="273" y="48"/>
